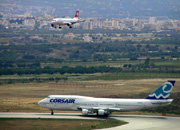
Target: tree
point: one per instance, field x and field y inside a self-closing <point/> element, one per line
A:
<point x="125" y="65"/>
<point x="147" y="62"/>
<point x="133" y="58"/>
<point x="139" y="47"/>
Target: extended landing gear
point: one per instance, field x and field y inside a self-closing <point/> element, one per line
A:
<point x="56" y="26"/>
<point x="52" y="112"/>
<point x="69" y="25"/>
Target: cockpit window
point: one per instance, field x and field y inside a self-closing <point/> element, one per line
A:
<point x="48" y="97"/>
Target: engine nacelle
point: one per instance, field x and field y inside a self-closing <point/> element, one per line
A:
<point x="84" y="111"/>
<point x="52" y="25"/>
<point x="101" y="112"/>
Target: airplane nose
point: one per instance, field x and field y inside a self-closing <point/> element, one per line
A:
<point x="40" y="102"/>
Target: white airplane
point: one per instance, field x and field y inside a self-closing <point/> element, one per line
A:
<point x="105" y="106"/>
<point x="57" y="22"/>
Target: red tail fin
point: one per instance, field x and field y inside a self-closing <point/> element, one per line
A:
<point x="77" y="14"/>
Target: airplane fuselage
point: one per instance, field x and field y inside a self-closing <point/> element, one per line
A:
<point x="69" y="102"/>
<point x="64" y="21"/>
<point x="105" y="106"/>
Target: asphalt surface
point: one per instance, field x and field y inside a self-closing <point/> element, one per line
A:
<point x="136" y="122"/>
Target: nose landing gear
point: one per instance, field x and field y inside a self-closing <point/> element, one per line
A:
<point x="52" y="112"/>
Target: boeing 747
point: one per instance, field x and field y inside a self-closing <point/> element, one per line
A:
<point x="105" y="106"/>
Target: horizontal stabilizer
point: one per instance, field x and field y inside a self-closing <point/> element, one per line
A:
<point x="159" y="102"/>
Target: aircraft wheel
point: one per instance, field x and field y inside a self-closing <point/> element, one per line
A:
<point x="52" y="113"/>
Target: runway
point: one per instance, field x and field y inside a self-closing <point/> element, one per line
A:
<point x="136" y="122"/>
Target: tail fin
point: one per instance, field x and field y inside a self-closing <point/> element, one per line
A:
<point x="163" y="91"/>
<point x="77" y="14"/>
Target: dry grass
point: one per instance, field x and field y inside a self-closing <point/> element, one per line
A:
<point x="24" y="97"/>
<point x="43" y="124"/>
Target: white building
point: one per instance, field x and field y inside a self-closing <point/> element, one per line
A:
<point x="87" y="39"/>
<point x="152" y="20"/>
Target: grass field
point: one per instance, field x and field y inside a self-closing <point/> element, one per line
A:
<point x="168" y="63"/>
<point x="54" y="124"/>
<point x="131" y="75"/>
<point x="119" y="63"/>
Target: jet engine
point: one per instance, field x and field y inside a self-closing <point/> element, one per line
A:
<point x="101" y="112"/>
<point x="84" y="111"/>
<point x="52" y="25"/>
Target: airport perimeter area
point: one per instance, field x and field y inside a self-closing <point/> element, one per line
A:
<point x="22" y="100"/>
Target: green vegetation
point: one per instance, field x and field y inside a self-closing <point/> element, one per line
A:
<point x="54" y="124"/>
<point x="135" y="75"/>
<point x="42" y="51"/>
<point x="41" y="59"/>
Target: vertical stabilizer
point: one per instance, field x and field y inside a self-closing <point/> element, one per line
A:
<point x="77" y="14"/>
<point x="163" y="92"/>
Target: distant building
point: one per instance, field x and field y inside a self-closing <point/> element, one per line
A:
<point x="69" y="36"/>
<point x="87" y="39"/>
<point x="29" y="22"/>
<point x="115" y="23"/>
<point x="129" y="23"/>
<point x="1" y="15"/>
<point x="77" y="25"/>
<point x="152" y="20"/>
<point x="107" y="23"/>
<point x="16" y="20"/>
<point x="27" y="14"/>
<point x="97" y="24"/>
<point x="88" y="25"/>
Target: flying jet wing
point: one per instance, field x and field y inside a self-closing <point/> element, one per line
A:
<point x="68" y="23"/>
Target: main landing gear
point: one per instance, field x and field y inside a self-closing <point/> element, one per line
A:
<point x="56" y="26"/>
<point x="69" y="25"/>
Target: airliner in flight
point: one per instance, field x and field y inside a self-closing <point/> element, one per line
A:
<point x="105" y="106"/>
<point x="57" y="22"/>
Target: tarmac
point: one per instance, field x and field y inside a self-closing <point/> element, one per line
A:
<point x="136" y="122"/>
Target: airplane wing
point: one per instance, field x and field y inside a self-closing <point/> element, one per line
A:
<point x="85" y="110"/>
<point x="71" y="23"/>
<point x="106" y="108"/>
<point x="67" y="23"/>
<point x="81" y="21"/>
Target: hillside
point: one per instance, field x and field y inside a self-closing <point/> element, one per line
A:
<point x="102" y="8"/>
